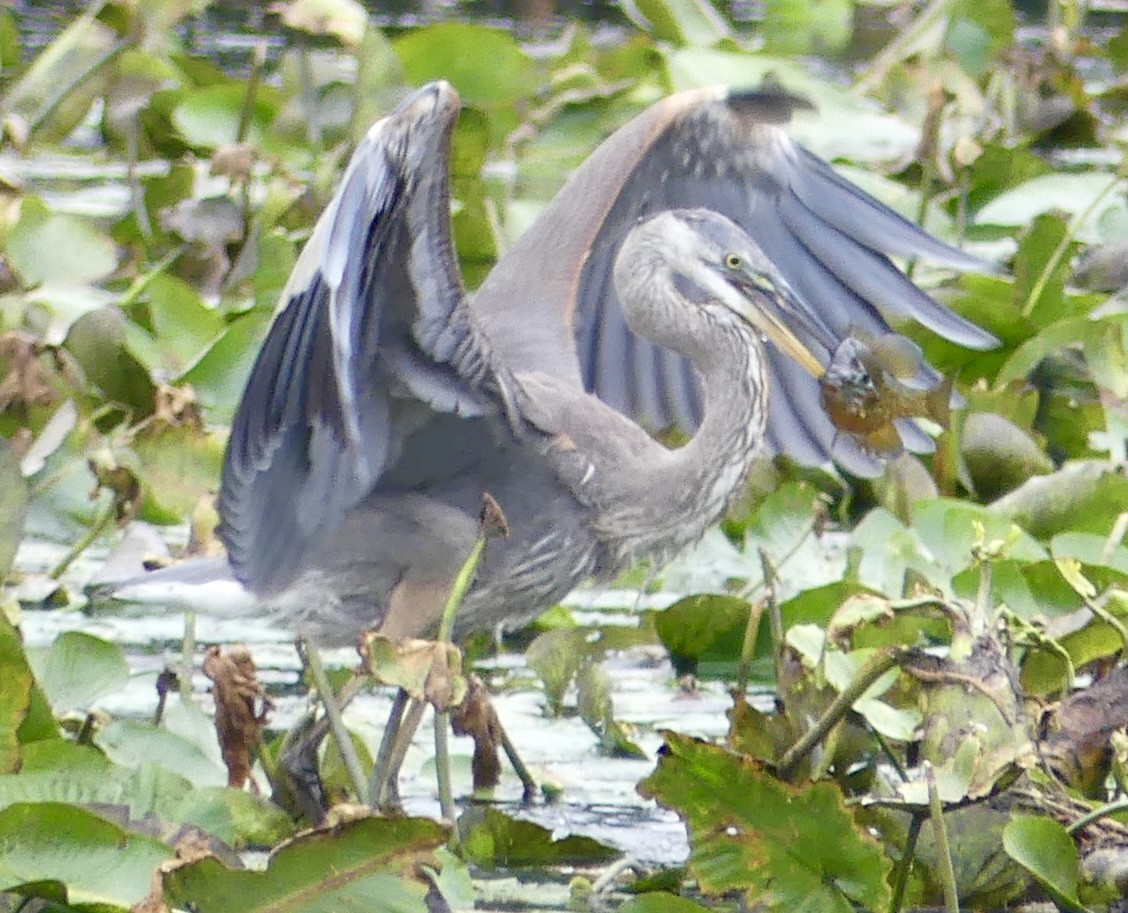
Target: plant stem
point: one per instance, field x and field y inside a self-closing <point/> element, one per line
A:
<point x="940" y="836"/>
<point x="875" y="667"/>
<point x="905" y="863"/>
<point x="1096" y="814"/>
<point x="337" y="725"/>
<point x="101" y="521"/>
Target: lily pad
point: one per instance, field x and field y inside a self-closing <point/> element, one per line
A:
<point x="63" y="853"/>
<point x="322" y="871"/>
<point x="79" y="669"/>
<point x="492" y="840"/>
<point x="784" y="847"/>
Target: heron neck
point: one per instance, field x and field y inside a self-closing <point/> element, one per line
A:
<point x="689" y="488"/>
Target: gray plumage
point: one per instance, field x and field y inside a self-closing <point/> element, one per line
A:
<point x="385" y="402"/>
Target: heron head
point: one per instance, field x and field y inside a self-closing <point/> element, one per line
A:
<point x="714" y="268"/>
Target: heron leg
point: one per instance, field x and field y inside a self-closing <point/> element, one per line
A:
<point x="528" y="784"/>
<point x="297" y="785"/>
<point x="384" y="788"/>
<point x="336" y="722"/>
<point x="379" y="783"/>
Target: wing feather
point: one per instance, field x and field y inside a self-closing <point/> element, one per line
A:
<point x="723" y="151"/>
<point x="371" y="331"/>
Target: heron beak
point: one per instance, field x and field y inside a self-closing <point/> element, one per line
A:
<point x="774" y="310"/>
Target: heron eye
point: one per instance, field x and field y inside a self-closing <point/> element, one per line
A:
<point x="734" y="261"/>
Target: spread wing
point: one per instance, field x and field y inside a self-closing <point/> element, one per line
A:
<point x="728" y="152"/>
<point x="372" y="336"/>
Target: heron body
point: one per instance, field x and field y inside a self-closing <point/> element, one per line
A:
<point x="385" y="401"/>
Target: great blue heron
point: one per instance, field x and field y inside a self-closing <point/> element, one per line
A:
<point x="386" y="401"/>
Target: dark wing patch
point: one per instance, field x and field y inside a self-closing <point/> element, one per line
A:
<point x="372" y="333"/>
<point x="829" y="239"/>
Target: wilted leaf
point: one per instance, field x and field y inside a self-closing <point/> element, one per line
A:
<point x="321" y="871"/>
<point x="788" y="848"/>
<point x="241" y="708"/>
<point x="476" y="717"/>
<point x="426" y="669"/>
<point x="1046" y="850"/>
<point x="492" y="840"/>
<point x="61" y="852"/>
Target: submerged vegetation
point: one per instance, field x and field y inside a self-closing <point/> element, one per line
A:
<point x="944" y="644"/>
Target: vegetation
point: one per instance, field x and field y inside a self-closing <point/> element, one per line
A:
<point x="949" y="689"/>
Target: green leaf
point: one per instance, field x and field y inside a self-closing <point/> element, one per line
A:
<point x="699" y="626"/>
<point x="661" y="903"/>
<point x="680" y="22"/>
<point x="795" y="27"/>
<point x="790" y="849"/>
<point x="844" y="127"/>
<point x="97" y="340"/>
<point x="209" y="117"/>
<point x="180" y="326"/>
<point x="1046" y="850"/>
<point x="1069" y="193"/>
<point x="131" y="743"/>
<point x="555" y="656"/>
<point x="48" y="845"/>
<point x="80" y="668"/>
<point x="323" y="871"/>
<point x="486" y="65"/>
<point x="58" y="249"/>
<point x="593" y="699"/>
<point x="13" y="507"/>
<point x="15" y="694"/>
<point x="1085" y="496"/>
<point x="494" y="840"/>
<point x="180" y="465"/>
<point x="221" y="373"/>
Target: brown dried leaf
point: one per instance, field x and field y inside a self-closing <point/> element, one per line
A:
<point x="176" y="406"/>
<point x="190" y="848"/>
<point x="476" y="717"/>
<point x="234" y="161"/>
<point x="28" y="381"/>
<point x="425" y="669"/>
<point x="238" y="723"/>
